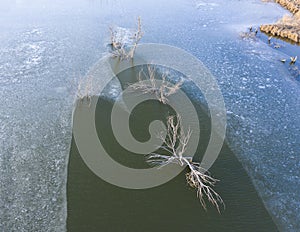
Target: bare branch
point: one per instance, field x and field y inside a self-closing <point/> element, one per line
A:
<point x="119" y="44"/>
<point x="175" y="144"/>
<point x="161" y="88"/>
<point x="136" y="38"/>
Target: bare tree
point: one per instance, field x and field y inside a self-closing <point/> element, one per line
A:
<point x="162" y="89"/>
<point x="122" y="50"/>
<point x="175" y="144"/>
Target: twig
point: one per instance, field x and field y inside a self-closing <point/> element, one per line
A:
<point x="119" y="46"/>
<point x="150" y="84"/>
<point x="175" y="144"/>
<point x="84" y="90"/>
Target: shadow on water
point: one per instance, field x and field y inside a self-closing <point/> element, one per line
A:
<point x="94" y="205"/>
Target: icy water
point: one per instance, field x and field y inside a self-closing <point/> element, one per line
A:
<point x="45" y="46"/>
<point x="95" y="205"/>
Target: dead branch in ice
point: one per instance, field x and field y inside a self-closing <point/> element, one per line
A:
<point x="175" y="144"/>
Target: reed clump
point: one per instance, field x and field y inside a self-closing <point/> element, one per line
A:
<point x="288" y="27"/>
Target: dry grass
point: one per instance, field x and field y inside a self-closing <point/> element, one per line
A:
<point x="287" y="20"/>
<point x="161" y="88"/>
<point x="174" y="144"/>
<point x="292" y="5"/>
<point x="84" y="90"/>
<point x="288" y="27"/>
<point x="136" y="38"/>
<point x="122" y="50"/>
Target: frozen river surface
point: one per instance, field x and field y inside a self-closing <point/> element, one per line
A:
<point x="45" y="46"/>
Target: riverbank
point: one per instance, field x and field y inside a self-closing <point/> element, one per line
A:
<point x="288" y="27"/>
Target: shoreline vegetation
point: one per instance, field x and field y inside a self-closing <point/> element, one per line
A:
<point x="288" y="27"/>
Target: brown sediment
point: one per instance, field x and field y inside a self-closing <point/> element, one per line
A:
<point x="289" y="26"/>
